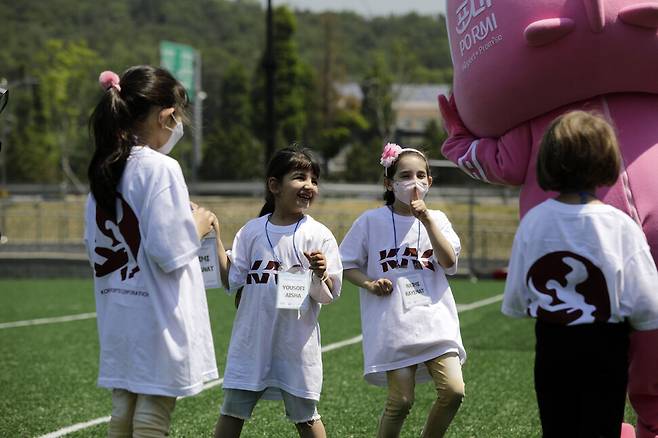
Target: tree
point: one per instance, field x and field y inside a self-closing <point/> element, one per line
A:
<point x="347" y="128"/>
<point x="332" y="127"/>
<point x="232" y="152"/>
<point x="54" y="138"/>
<point x="377" y="109"/>
<point x="377" y="105"/>
<point x="433" y="138"/>
<point x="289" y="80"/>
<point x="412" y="46"/>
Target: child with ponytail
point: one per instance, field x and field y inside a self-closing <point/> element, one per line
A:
<point x="143" y="235"/>
<point x="287" y="265"/>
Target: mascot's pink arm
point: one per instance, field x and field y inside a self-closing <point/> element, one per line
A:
<point x="502" y="160"/>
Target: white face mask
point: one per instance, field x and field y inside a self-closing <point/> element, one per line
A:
<point x="404" y="190"/>
<point x="176" y="134"/>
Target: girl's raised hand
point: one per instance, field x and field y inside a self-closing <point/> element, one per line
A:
<point x="382" y="287"/>
<point x="418" y="207"/>
<point x="317" y="262"/>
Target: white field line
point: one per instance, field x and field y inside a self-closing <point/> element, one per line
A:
<point x="65" y="318"/>
<point x="81" y="316"/>
<point x="478" y="304"/>
<point x="76" y="427"/>
<point x="212" y="384"/>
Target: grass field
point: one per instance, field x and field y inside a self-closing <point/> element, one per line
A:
<point x="48" y="372"/>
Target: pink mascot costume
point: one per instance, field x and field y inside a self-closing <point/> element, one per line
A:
<point x="518" y="64"/>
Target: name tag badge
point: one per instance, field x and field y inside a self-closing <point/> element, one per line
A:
<point x="209" y="261"/>
<point x="414" y="293"/>
<point x="292" y="289"/>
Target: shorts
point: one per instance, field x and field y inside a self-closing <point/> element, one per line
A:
<point x="240" y="404"/>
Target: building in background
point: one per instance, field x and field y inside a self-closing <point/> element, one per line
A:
<point x="414" y="105"/>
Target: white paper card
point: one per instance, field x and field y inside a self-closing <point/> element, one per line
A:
<point x="292" y="289"/>
<point x="414" y="293"/>
<point x="209" y="261"/>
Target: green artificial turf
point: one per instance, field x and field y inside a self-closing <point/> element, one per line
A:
<point x="48" y="372"/>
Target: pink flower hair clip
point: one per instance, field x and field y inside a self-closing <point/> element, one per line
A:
<point x="108" y="79"/>
<point x="390" y="154"/>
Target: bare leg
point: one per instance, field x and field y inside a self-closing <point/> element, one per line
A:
<point x="311" y="429"/>
<point x="228" y="427"/>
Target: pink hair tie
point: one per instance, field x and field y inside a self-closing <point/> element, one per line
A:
<point x="108" y="79"/>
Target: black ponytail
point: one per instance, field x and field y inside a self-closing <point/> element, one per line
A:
<point x="109" y="127"/>
<point x="268" y="207"/>
<point x="114" y="122"/>
<point x="284" y="161"/>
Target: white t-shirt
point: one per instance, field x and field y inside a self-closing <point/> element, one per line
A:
<point x="577" y="264"/>
<point x="277" y="348"/>
<point x="395" y="336"/>
<point x="151" y="304"/>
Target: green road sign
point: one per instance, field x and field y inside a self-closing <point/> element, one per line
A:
<point x="179" y="59"/>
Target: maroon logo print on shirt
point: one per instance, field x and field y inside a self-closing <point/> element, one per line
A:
<point x="258" y="276"/>
<point x="125" y="237"/>
<point x="573" y="286"/>
<point x="388" y="258"/>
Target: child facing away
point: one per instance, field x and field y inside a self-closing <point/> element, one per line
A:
<point x="142" y="237"/>
<point x="583" y="270"/>
<point x="398" y="255"/>
<point x="286" y="265"/>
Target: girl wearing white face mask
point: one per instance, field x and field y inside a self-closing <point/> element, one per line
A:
<point x="143" y="236"/>
<point x="176" y="134"/>
<point x="398" y="255"/>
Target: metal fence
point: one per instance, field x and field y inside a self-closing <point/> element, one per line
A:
<point x="48" y="230"/>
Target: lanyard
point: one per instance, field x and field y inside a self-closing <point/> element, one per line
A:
<point x="395" y="240"/>
<point x="267" y="234"/>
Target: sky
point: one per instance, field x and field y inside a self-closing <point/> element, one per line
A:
<point x="368" y="8"/>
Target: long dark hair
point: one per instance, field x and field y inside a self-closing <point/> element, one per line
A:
<point x="114" y="122"/>
<point x="284" y="161"/>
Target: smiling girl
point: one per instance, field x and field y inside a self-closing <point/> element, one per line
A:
<point x="287" y="265"/>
